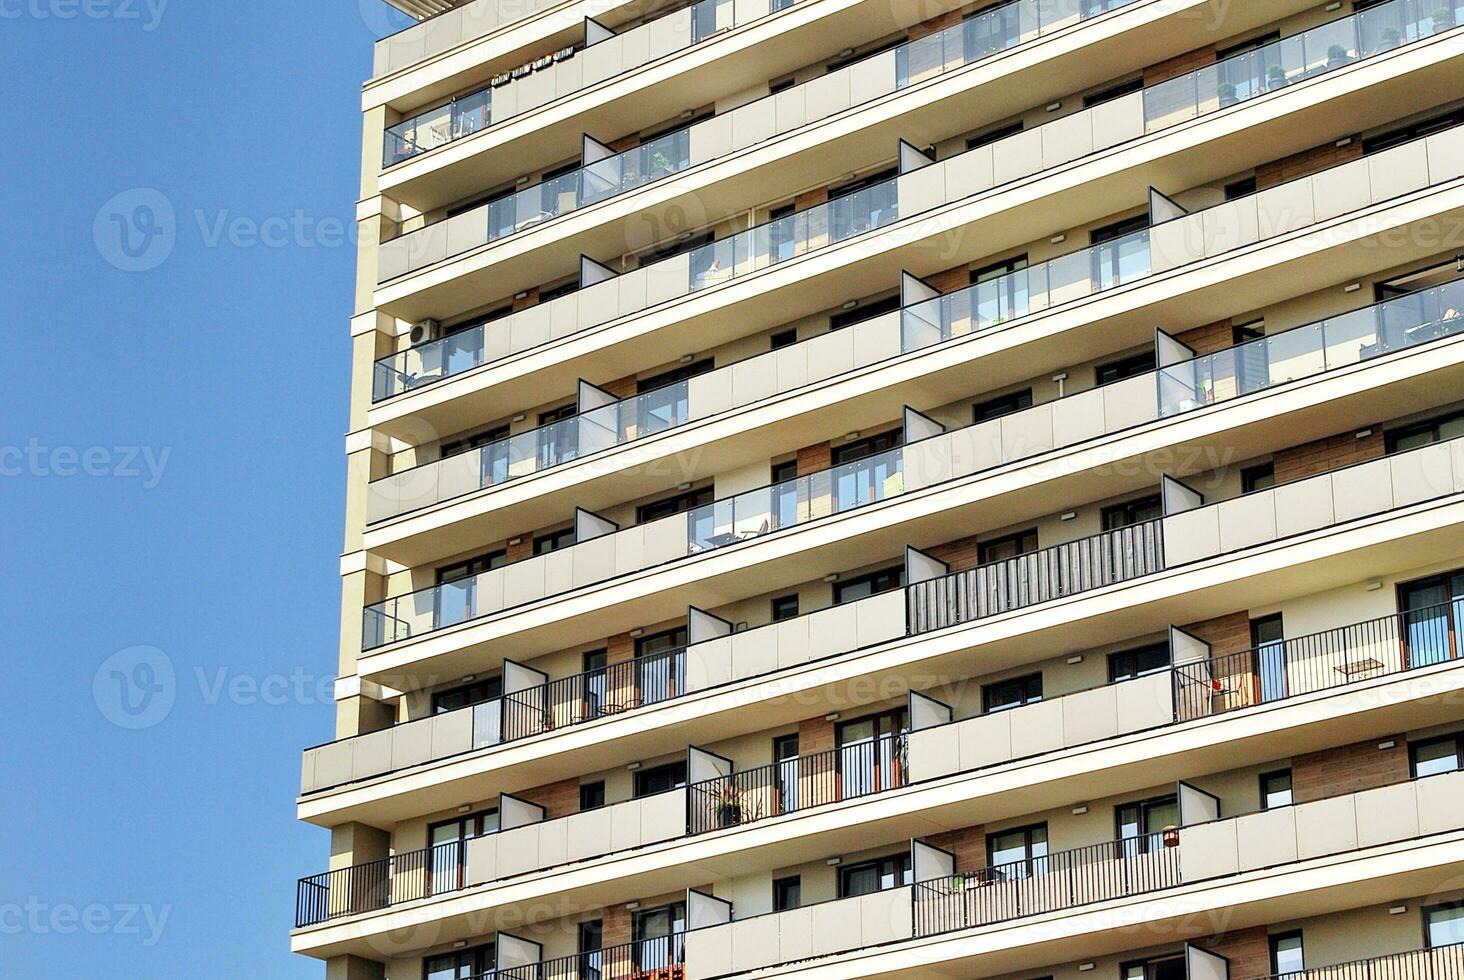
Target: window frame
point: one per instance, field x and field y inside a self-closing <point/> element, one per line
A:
<point x="1025" y="681"/>
<point x="1264" y="797"/>
<point x="895" y="572"/>
<point x="1133" y="653"/>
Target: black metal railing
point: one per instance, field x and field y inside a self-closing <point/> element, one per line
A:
<point x="1065" y="879"/>
<point x="379" y="884"/>
<point x="1049" y="573"/>
<point x="609" y="690"/>
<point x="845" y="773"/>
<point x="1319" y="661"/>
<point x="660" y="958"/>
<point x="1438" y="963"/>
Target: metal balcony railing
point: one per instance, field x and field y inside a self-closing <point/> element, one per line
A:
<point x="1437" y="963"/>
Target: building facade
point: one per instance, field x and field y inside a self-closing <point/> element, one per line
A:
<point x="861" y="490"/>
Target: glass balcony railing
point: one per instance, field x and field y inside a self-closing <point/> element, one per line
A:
<point x="1293" y="59"/>
<point x="1336" y="342"/>
<point x="463" y="116"/>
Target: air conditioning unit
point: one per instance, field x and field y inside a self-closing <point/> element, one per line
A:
<point x="425" y="330"/>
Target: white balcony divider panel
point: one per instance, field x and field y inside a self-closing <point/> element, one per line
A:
<point x="1168" y="351"/>
<point x="1327" y="499"/>
<point x="928" y="862"/>
<point x="702" y="626"/>
<point x="802" y="933"/>
<point x="580" y="836"/>
<point x="1195" y="805"/>
<point x="1432" y="805"/>
<point x="589" y="526"/>
<point x="918" y="425"/>
<point x="754" y="652"/>
<point x="1047" y="726"/>
<point x="920" y="567"/>
<point x="1071" y="420"/>
<point x="514" y="951"/>
<point x="514" y="812"/>
<point x="704" y="911"/>
<point x="927" y="712"/>
<point x="702" y="765"/>
<point x="1179" y="497"/>
<point x="589" y="397"/>
<point x="1202" y="964"/>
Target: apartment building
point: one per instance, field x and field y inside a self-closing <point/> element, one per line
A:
<point x="932" y="490"/>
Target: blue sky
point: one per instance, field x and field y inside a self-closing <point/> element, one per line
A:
<point x="171" y="470"/>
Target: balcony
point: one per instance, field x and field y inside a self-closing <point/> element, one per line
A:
<point x="1083" y="134"/>
<point x="1435" y="963"/>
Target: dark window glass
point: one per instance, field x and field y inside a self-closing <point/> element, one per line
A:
<point x="461" y="964"/>
<point x="460" y="697"/>
<point x="591" y="936"/>
<point x="675" y="248"/>
<point x="1157" y="968"/>
<point x="553" y="540"/>
<point x="1433" y="608"/>
<point x="1141" y="825"/>
<point x="872" y="446"/>
<point x="787" y="893"/>
<point x="1445" y="924"/>
<point x="1007" y="546"/>
<point x="869" y="584"/>
<point x="563" y="289"/>
<point x="1113" y="92"/>
<point x="1244" y="333"/>
<point x="1249" y="44"/>
<point x="995" y="408"/>
<point x="1262" y="476"/>
<point x="458" y="571"/>
<point x="1019" y="852"/>
<point x="1413" y="131"/>
<point x="864" y="311"/>
<point x="592" y="795"/>
<point x="1276" y="789"/>
<point x="854" y="186"/>
<point x="1118" y="229"/>
<point x="1011" y="693"/>
<point x="786" y="470"/>
<point x="660" y="779"/>
<point x="463" y="444"/>
<point x="878" y="875"/>
<point x="1241" y="188"/>
<point x="1125" y="367"/>
<point x="1426" y="433"/>
<point x="558" y="414"/>
<point x="477" y="321"/>
<point x="783" y="338"/>
<point x="674" y="375"/>
<point x="1127" y="664"/>
<point x="1268" y="641"/>
<point x="785" y="607"/>
<point x="1435" y="755"/>
<point x="992" y="135"/>
<point x="679" y="504"/>
<point x="1132" y="512"/>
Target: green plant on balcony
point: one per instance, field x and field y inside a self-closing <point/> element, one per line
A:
<point x="1443" y="19"/>
<point x="1337" y="55"/>
<point x="1391" y="37"/>
<point x="728" y="803"/>
<point x="1275" y="77"/>
<point x="1226" y="91"/>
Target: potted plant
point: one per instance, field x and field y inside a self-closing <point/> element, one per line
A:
<point x="1275" y="77"/>
<point x="1443" y="19"/>
<point x="1336" y="56"/>
<point x="1226" y="91"/>
<point x="1391" y="38"/>
<point x="1171" y="836"/>
<point x="729" y="804"/>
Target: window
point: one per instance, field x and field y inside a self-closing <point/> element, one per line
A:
<point x="1249" y="44"/>
<point x="653" y="930"/>
<point x="1008" y="546"/>
<point x="459" y="571"/>
<point x="675" y="248"/>
<point x="868" y="752"/>
<point x="999" y="294"/>
<point x="781" y="84"/>
<point x="1432" y="608"/>
<point x="460" y="697"/>
<point x="1125" y="367"/>
<point x="460" y="964"/>
<point x="1128" y="664"/>
<point x="1425" y="433"/>
<point x="558" y="414"/>
<point x="678" y="504"/>
<point x="462" y="444"/>
<point x="1286" y="954"/>
<point x="864" y="311"/>
<point x="1017" y="853"/>
<point x="783" y="338"/>
<point x="1240" y="188"/>
<point x="874" y="445"/>
<point x="1262" y="476"/>
<point x="477" y="321"/>
<point x="855" y="186"/>
<point x="992" y="135"/>
<point x="659" y="779"/>
<point x="1268" y="641"/>
<point x="871" y="583"/>
<point x="1132" y="512"/>
<point x="1156" y="968"/>
<point x="785" y="607"/>
<point x="878" y="875"/>
<point x="592" y="795"/>
<point x="1141" y="825"/>
<point x="1436" y="755"/>
<point x="787" y="893"/>
<point x="563" y="289"/>
<point x="1276" y="789"/>
<point x="1444" y="924"/>
<point x="1119" y="252"/>
<point x="1405" y="134"/>
<point x="590" y="940"/>
<point x="1113" y="92"/>
<point x="553" y="540"/>
<point x="674" y="375"/>
<point x="995" y="408"/>
<point x="1011" y="693"/>
<point x="448" y="858"/>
